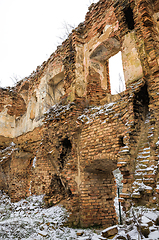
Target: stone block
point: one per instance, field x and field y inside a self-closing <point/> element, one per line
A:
<point x="111" y="231"/>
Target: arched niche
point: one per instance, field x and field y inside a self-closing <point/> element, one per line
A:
<point x="55" y="88"/>
<point x="33" y="106"/>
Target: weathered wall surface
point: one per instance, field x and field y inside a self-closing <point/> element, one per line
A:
<point x="12" y="106"/>
<point x="63" y="132"/>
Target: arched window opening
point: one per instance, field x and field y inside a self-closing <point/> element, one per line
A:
<point x="100" y="58"/>
<point x="116" y="74"/>
<point x="129" y="18"/>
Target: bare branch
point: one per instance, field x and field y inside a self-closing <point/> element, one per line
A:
<point x="66" y="29"/>
<point x="15" y="79"/>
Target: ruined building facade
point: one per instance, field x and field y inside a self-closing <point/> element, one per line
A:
<point x="62" y="130"/>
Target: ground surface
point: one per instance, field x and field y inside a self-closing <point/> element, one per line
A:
<point x="29" y="219"/>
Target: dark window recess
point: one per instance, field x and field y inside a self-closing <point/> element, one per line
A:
<point x="66" y="149"/>
<point x="129" y="18"/>
<point x="141" y="111"/>
<point x="141" y="104"/>
<point x="121" y="141"/>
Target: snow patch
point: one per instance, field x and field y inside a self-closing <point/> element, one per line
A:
<point x="34" y="162"/>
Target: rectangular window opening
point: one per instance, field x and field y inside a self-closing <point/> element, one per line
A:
<point x="116" y="74"/>
<point x="129" y="18"/>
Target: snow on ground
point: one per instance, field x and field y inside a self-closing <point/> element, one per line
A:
<point x="30" y="219"/>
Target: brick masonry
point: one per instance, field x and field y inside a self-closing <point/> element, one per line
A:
<point x="63" y="132"/>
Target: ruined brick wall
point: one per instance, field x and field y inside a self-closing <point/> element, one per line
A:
<point x="82" y="162"/>
<point x="69" y="132"/>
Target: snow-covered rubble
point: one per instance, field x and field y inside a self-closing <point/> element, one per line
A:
<point x="56" y="110"/>
<point x="6" y="152"/>
<point x="30" y="219"/>
<point x="89" y="114"/>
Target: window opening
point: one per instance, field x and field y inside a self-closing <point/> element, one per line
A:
<point x="129" y="18"/>
<point x="116" y="74"/>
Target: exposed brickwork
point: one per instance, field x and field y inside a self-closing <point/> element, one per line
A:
<point x="13" y="102"/>
<point x="94" y="90"/>
<point x="69" y="152"/>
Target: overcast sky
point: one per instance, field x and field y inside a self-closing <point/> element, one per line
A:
<point x="29" y="31"/>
